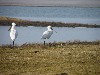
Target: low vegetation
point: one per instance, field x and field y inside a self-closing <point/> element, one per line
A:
<point x="6" y="21"/>
<point x="77" y="58"/>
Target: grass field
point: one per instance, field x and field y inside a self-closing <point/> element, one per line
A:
<point x="60" y="59"/>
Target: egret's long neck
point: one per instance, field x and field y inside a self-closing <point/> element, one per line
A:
<point x="13" y="27"/>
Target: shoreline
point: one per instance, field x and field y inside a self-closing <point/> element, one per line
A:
<point x="54" y="44"/>
<point x="6" y="21"/>
<point x="51" y="5"/>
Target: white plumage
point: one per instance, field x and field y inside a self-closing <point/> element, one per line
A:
<point x="13" y="32"/>
<point x="47" y="34"/>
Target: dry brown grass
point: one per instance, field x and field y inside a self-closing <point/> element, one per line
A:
<point x="37" y="59"/>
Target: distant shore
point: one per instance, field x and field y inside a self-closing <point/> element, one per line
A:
<point x="6" y="21"/>
<point x="51" y="5"/>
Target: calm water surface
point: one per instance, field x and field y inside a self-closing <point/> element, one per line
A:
<point x="33" y="34"/>
<point x="56" y="14"/>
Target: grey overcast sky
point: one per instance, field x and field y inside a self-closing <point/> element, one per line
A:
<point x="52" y="2"/>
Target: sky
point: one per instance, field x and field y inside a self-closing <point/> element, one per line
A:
<point x="52" y="2"/>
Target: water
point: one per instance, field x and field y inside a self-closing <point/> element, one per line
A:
<point x="55" y="14"/>
<point x="33" y="34"/>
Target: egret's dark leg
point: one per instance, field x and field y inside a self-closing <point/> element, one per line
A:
<point x="13" y="43"/>
<point x="44" y="42"/>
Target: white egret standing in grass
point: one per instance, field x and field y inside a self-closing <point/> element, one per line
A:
<point x="47" y="34"/>
<point x="13" y="32"/>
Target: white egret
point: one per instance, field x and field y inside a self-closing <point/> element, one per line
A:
<point x="47" y="34"/>
<point x="13" y="32"/>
